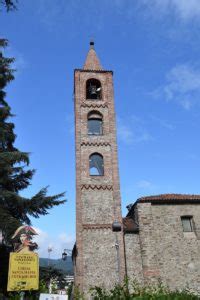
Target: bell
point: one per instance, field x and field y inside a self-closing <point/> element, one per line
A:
<point x="93" y="90"/>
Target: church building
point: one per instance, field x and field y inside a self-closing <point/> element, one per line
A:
<point x="159" y="239"/>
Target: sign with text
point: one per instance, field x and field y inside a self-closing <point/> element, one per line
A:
<point x="53" y="297"/>
<point x="23" y="272"/>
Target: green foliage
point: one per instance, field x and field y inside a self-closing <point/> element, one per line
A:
<point x="66" y="266"/>
<point x="9" y="4"/>
<point x="50" y="273"/>
<point x="15" y="176"/>
<point x="78" y="295"/>
<point x="70" y="290"/>
<point x="139" y="292"/>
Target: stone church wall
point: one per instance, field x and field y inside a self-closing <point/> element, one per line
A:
<point x="133" y="257"/>
<point x="178" y="252"/>
<point x="168" y="254"/>
<point x="100" y="258"/>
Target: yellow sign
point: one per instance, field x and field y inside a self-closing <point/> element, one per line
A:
<point x="23" y="272"/>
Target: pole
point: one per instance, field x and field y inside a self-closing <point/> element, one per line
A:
<point x="22" y="295"/>
<point x="49" y="252"/>
<point x="1" y="237"/>
<point x="118" y="258"/>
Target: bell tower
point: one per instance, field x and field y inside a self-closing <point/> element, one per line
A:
<point x="99" y="253"/>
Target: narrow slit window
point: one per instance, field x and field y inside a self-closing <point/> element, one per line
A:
<point x="95" y="124"/>
<point x="96" y="164"/>
<point x="187" y="223"/>
<point x="93" y="89"/>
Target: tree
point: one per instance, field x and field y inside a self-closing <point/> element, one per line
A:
<point x="15" y="176"/>
<point x="52" y="274"/>
<point x="14" y="173"/>
<point x="9" y="4"/>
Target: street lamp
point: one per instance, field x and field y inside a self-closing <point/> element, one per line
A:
<point x="64" y="254"/>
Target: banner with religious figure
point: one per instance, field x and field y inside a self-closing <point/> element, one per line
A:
<point x="23" y="263"/>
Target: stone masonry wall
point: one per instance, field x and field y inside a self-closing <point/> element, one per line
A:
<point x="100" y="213"/>
<point x="100" y="258"/>
<point x="178" y="252"/>
<point x="133" y="257"/>
<point x="148" y="243"/>
<point x="168" y="254"/>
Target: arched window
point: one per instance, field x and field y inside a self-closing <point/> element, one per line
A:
<point x="95" y="123"/>
<point x="93" y="89"/>
<point x="96" y="164"/>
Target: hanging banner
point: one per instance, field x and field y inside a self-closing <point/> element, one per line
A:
<point x="23" y="272"/>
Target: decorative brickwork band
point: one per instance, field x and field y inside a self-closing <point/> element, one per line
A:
<point x="95" y="144"/>
<point x="97" y="226"/>
<point x="94" y="105"/>
<point x="96" y="187"/>
<point x="151" y="272"/>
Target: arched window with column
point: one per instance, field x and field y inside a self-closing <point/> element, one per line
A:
<point x="95" y="123"/>
<point x="93" y="89"/>
<point x="96" y="164"/>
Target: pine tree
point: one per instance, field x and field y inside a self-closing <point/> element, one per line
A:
<point x="14" y="173"/>
<point x="9" y="4"/>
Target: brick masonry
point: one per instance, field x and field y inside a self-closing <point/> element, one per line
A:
<point x="98" y="202"/>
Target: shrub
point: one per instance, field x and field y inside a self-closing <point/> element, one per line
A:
<point x="139" y="292"/>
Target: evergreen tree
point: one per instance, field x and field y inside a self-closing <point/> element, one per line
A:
<point x="9" y="4"/>
<point x="14" y="174"/>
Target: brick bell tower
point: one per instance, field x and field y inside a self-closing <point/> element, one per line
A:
<point x="99" y="251"/>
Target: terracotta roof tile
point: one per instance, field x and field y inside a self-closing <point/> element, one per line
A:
<point x="170" y="198"/>
<point x="129" y="225"/>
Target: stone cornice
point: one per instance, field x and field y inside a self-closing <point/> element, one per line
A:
<point x="96" y="187"/>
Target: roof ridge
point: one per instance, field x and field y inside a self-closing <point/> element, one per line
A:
<point x="170" y="196"/>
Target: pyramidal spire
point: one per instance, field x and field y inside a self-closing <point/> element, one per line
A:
<point x="92" y="62"/>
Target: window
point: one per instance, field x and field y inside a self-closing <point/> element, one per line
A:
<point x="95" y="123"/>
<point x="96" y="164"/>
<point x="187" y="223"/>
<point x="93" y="89"/>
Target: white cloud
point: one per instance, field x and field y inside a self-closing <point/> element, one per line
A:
<point x="58" y="243"/>
<point x="61" y="12"/>
<point x="133" y="133"/>
<point x="164" y="123"/>
<point x="184" y="9"/>
<point x="125" y="134"/>
<point x="145" y="184"/>
<point x="182" y="86"/>
<point x="56" y="10"/>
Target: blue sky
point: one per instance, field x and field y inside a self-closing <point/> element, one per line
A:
<point x="153" y="47"/>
